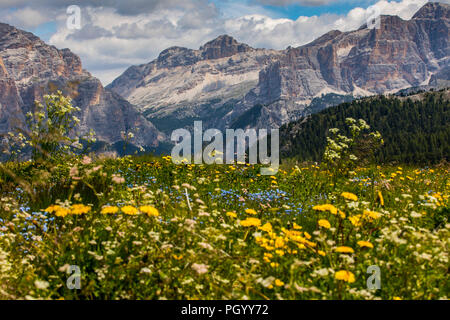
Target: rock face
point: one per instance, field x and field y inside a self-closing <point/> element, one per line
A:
<point x="227" y="84"/>
<point x="29" y="68"/>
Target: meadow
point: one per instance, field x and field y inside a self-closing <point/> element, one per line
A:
<point x="142" y="227"/>
<point x="145" y="228"/>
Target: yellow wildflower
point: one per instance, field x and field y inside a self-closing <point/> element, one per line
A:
<point x="345" y="275"/>
<point x="371" y="214"/>
<point x="366" y="244"/>
<point x="356" y="220"/>
<point x="279" y="283"/>
<point x="324" y="223"/>
<point x="322" y="253"/>
<point x="109" y="210"/>
<point x="78" y="209"/>
<point x="150" y="211"/>
<point x="326" y="207"/>
<point x="130" y="210"/>
<point x="267" y="227"/>
<point x="251" y="222"/>
<point x="58" y="210"/>
<point x="231" y="214"/>
<point x="380" y="197"/>
<point x="349" y="196"/>
<point x="250" y="211"/>
<point x="344" y="249"/>
<point x="296" y="226"/>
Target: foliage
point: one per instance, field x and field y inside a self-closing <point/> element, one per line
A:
<point x="149" y="229"/>
<point x="415" y="131"/>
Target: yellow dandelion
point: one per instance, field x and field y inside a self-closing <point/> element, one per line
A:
<point x="251" y="222"/>
<point x="344" y="249"/>
<point x="250" y="211"/>
<point x="231" y="214"/>
<point x="324" y="223"/>
<point x="279" y="283"/>
<point x="326" y="207"/>
<point x="349" y="196"/>
<point x="296" y="226"/>
<point x="78" y="209"/>
<point x="322" y="253"/>
<point x="380" y="197"/>
<point x="129" y="210"/>
<point x="267" y="227"/>
<point x="356" y="220"/>
<point x="109" y="210"/>
<point x="371" y="214"/>
<point x="150" y="211"/>
<point x="345" y="275"/>
<point x="366" y="244"/>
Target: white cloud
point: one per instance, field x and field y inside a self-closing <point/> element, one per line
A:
<point x="24" y="17"/>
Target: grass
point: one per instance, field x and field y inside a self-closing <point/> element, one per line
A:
<point x="145" y="228"/>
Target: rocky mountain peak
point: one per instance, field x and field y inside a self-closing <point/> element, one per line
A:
<point x="30" y="68"/>
<point x="222" y="47"/>
<point x="433" y="10"/>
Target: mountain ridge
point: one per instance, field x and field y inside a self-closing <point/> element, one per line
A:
<point x="401" y="54"/>
<point x="30" y="68"/>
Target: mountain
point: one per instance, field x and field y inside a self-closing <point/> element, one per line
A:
<point x="29" y="68"/>
<point x="229" y="84"/>
<point x="414" y="127"/>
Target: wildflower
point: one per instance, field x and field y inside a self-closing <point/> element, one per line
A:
<point x="371" y="214"/>
<point x="356" y="220"/>
<point x="324" y="223"/>
<point x="397" y="298"/>
<point x="344" y="249"/>
<point x="296" y="226"/>
<point x="366" y="244"/>
<point x="129" y="210"/>
<point x="200" y="268"/>
<point x="307" y="235"/>
<point x="58" y="210"/>
<point x="109" y="210"/>
<point x="150" y="211"/>
<point x="117" y="179"/>
<point x="279" y="283"/>
<point x="231" y="214"/>
<point x="380" y="197"/>
<point x="250" y="211"/>
<point x="251" y="222"/>
<point x="349" y="196"/>
<point x="267" y="227"/>
<point x="322" y="253"/>
<point x="326" y="207"/>
<point x="345" y="275"/>
<point x="43" y="285"/>
<point x="79" y="209"/>
<point x="177" y="257"/>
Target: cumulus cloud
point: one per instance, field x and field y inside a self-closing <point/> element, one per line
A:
<point x="25" y="17"/>
<point x="118" y="34"/>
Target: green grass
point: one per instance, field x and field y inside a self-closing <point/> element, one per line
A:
<point x="206" y="247"/>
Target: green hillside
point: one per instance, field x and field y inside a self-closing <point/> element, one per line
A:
<point x="415" y="129"/>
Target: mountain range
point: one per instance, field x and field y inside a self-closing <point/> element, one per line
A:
<point x="229" y="84"/>
<point x="226" y="83"/>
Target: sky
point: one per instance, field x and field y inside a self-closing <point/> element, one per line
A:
<point x="115" y="34"/>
